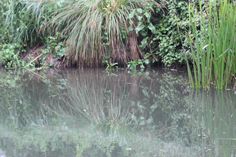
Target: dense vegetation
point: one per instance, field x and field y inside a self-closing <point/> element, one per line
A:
<point x="87" y="33"/>
<point x="132" y="33"/>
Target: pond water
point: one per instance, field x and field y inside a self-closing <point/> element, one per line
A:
<point x="92" y="113"/>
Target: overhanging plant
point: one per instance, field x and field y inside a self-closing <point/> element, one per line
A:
<point x="86" y="22"/>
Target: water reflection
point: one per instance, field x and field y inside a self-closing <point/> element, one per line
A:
<point x="217" y="122"/>
<point x="90" y="113"/>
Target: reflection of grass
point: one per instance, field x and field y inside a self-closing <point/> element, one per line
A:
<point x="98" y="104"/>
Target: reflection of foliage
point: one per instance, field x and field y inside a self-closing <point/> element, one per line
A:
<point x="83" y="141"/>
<point x="161" y="106"/>
<point x="133" y="100"/>
<point x="25" y="103"/>
<point x="93" y="110"/>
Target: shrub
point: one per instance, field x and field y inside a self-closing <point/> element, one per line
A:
<point x="164" y="32"/>
<point x="54" y="50"/>
<point x="10" y="55"/>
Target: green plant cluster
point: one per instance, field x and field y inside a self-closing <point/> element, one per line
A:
<point x="23" y="27"/>
<point x="164" y="32"/>
<point x="25" y="22"/>
<point x="54" y="49"/>
<point x="161" y="27"/>
<point x="10" y="56"/>
<point x="138" y="64"/>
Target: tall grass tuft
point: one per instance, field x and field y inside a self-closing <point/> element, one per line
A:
<point x="22" y="21"/>
<point x="95" y="27"/>
<point x="213" y="44"/>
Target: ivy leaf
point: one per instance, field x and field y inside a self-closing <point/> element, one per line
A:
<point x="131" y="15"/>
<point x="139" y="28"/>
<point x="152" y="28"/>
<point x="139" y="10"/>
<point x="147" y="15"/>
<point x="144" y="42"/>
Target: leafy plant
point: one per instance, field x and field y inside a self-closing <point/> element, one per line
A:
<point x="10" y="55"/>
<point x="134" y="65"/>
<point x="55" y="45"/>
<point x="164" y="32"/>
<point x="54" y="49"/>
<point x="110" y="66"/>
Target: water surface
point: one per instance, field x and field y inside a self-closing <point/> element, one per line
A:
<point x="92" y="113"/>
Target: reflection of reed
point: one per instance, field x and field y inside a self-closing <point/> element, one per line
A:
<point x="218" y="122"/>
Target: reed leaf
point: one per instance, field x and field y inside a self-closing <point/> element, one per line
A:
<point x="214" y="51"/>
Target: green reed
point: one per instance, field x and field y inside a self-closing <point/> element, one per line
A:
<point x="213" y="44"/>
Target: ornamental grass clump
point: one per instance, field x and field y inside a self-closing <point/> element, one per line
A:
<point x="97" y="28"/>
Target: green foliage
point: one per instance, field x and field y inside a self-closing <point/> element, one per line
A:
<point x="96" y="29"/>
<point x="10" y="55"/>
<point x="18" y="23"/>
<point x="110" y="66"/>
<point x="164" y="32"/>
<point x="213" y="46"/>
<point x="138" y="64"/>
<point x="24" y="21"/>
<point x="55" y="46"/>
<point x="143" y="16"/>
<point x="48" y="55"/>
